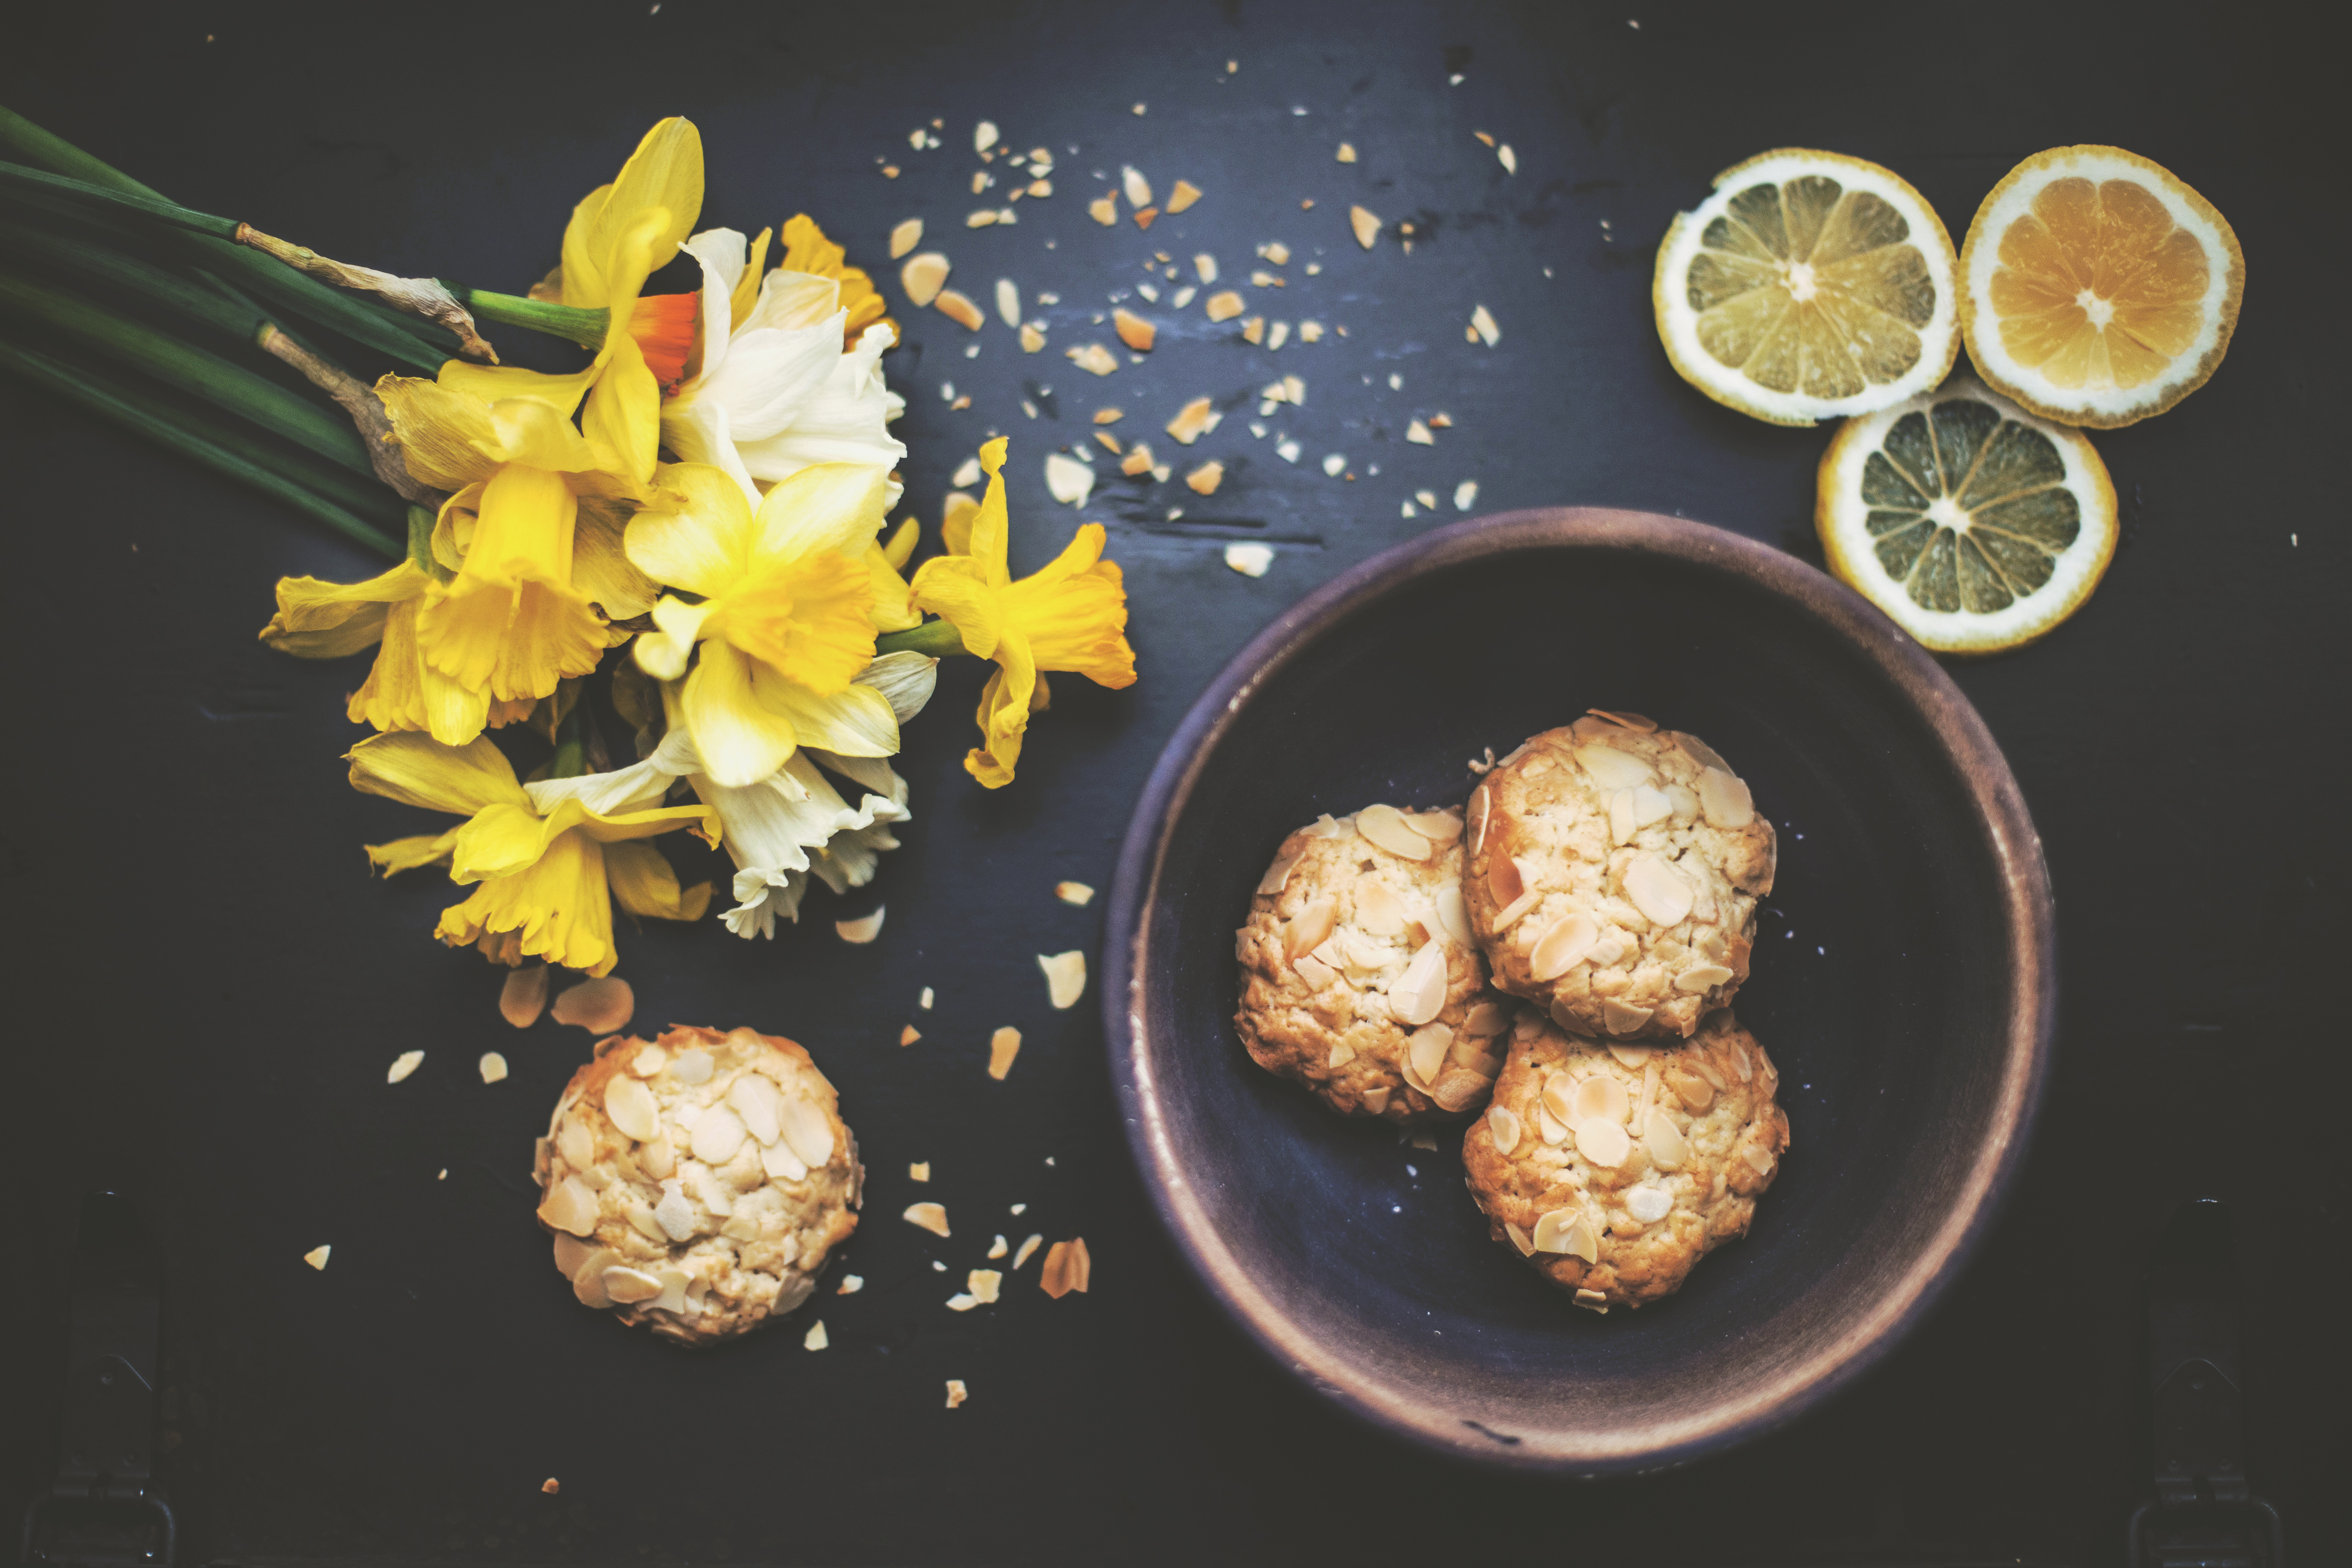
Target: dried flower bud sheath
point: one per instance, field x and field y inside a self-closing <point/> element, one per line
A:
<point x="422" y="297"/>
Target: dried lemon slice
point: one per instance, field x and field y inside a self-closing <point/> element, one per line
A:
<point x="1811" y="286"/>
<point x="1975" y="525"/>
<point x="2098" y="287"/>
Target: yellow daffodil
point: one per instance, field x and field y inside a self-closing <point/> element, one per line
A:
<point x="807" y="250"/>
<point x="783" y="615"/>
<point x="773" y="390"/>
<point x="1071" y="616"/>
<point x="329" y="620"/>
<point x="548" y="863"/>
<point x="531" y="531"/>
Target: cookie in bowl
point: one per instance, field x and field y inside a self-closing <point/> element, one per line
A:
<point x="695" y="1183"/>
<point x="1613" y="874"/>
<point x="1615" y="1168"/>
<point x="1360" y="982"/>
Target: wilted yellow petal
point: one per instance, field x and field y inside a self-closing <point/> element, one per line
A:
<point x="856" y="721"/>
<point x="327" y="620"/>
<point x="1004" y="715"/>
<point x="407" y="854"/>
<point x="495" y="383"/>
<point x="444" y="437"/>
<point x="416" y="770"/>
<point x="644" y="885"/>
<point x="892" y="610"/>
<point x="600" y="565"/>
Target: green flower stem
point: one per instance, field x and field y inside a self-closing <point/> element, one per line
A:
<point x="416" y="344"/>
<point x="570" y="758"/>
<point x="17" y="177"/>
<point x="114" y="272"/>
<point x="937" y="639"/>
<point x="581" y="325"/>
<point x="194" y="370"/>
<point x="178" y="434"/>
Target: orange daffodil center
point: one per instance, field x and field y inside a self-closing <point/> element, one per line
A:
<point x="547" y="861"/>
<point x="1072" y="615"/>
<point x="783" y="621"/>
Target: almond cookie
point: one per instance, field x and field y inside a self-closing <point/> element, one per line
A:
<point x="694" y="1184"/>
<point x="1359" y="979"/>
<point x="1612" y="877"/>
<point x="1615" y="1168"/>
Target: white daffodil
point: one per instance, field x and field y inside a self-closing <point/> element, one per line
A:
<point x="774" y="390"/>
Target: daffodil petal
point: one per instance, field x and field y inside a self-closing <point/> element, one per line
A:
<point x="556" y="909"/>
<point x="327" y="620"/>
<point x="789" y="299"/>
<point x="583" y="270"/>
<point x="769" y="373"/>
<point x="906" y="681"/>
<point x="741" y="738"/>
<point x="831" y="507"/>
<point x="956" y="589"/>
<point x="697" y="534"/>
<point x="697" y="430"/>
<point x="665" y="171"/>
<point x="600" y="563"/>
<point x="747" y="288"/>
<point x="624" y="415"/>
<point x="719" y="251"/>
<point x="416" y="770"/>
<point x="495" y="382"/>
<point x="408" y="854"/>
<point x="856" y="720"/>
<point x="810" y="621"/>
<point x="892" y="610"/>
<point x="845" y="420"/>
<point x="1004" y="715"/>
<point x="402" y="692"/>
<point x="992" y="528"/>
<point x="1074" y="613"/>
<point x="637" y="787"/>
<point x="644" y="884"/>
<point x="441" y="432"/>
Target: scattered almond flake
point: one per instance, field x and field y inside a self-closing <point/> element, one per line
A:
<point x="1027" y="1246"/>
<point x="862" y="930"/>
<point x="1314" y="269"/>
<point x="1104" y="210"/>
<point x="1426" y="497"/>
<point x="1409" y="510"/>
<point x="1294" y="390"/>
<point x="814" y="1340"/>
<point x="403" y="1064"/>
<point x="997" y="1248"/>
<point x="317" y="1258"/>
<point x="599" y="1006"/>
<point x="1249" y="559"/>
<point x="1134" y="187"/>
<point x="1028" y="408"/>
<point x="1346" y="153"/>
<point x="1003" y="1047"/>
<point x="1483" y="325"/>
<point x="443" y="1175"/>
<point x="1258" y="430"/>
<point x="962" y="1301"/>
<point x="909" y="1035"/>
<point x="957" y="1393"/>
<point x="1077" y="893"/>
<point x="1137" y="461"/>
<point x="1194" y="420"/>
<point x="1066" y="977"/>
<point x="1334" y="463"/>
<point x="1008" y="302"/>
<point x="1148" y="292"/>
<point x="1261" y="279"/>
<point x="890" y="171"/>
<point x="981" y="181"/>
<point x="1204" y="267"/>
<point x="1278" y="336"/>
<point x="1508" y="159"/>
<point x="919" y="1170"/>
<point x="983" y="1283"/>
<point x="850" y="1284"/>
<point x="1311" y="332"/>
<point x="1109" y="415"/>
<point x="967" y="473"/>
<point x="981" y="220"/>
<point x="1006" y="216"/>
<point x="1419" y="435"/>
<point x="1482" y="136"/>
<point x="1159" y="477"/>
<point x="1109" y="442"/>
<point x="1183" y="297"/>
<point x="1185" y="194"/>
<point x="1224" y="306"/>
<point x="1018" y="1209"/>
<point x="923" y="275"/>
<point x="1206" y="478"/>
<point x="932" y="1217"/>
<point x="916" y="140"/>
<point x="959" y="309"/>
<point x="1441" y="421"/>
<point x="1286" y="450"/>
<point x="1253" y="330"/>
<point x="1041" y="157"/>
<point x="493" y="1067"/>
<point x="1032" y="340"/>
<point x="1039" y="188"/>
<point x="925" y="1004"/>
<point x="1067" y="1268"/>
<point x="1465" y="495"/>
<point x="1274" y="250"/>
<point x="1143" y="218"/>
<point x="1134" y="330"/>
<point x="551" y="1486"/>
<point x="946" y="392"/>
<point x="984" y="136"/>
<point x="1093" y="357"/>
<point x="1069" y="481"/>
<point x="524" y="995"/>
<point x="1366" y="225"/>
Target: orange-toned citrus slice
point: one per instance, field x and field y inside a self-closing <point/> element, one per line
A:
<point x="1975" y="525"/>
<point x="1811" y="286"/>
<point x="2096" y="287"/>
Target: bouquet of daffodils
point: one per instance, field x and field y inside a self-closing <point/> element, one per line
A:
<point x="705" y="501"/>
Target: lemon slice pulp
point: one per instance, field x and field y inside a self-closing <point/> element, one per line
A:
<point x="2096" y="287"/>
<point x="1810" y="286"/>
<point x="1975" y="525"/>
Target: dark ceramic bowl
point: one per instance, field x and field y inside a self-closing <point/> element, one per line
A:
<point x="1904" y="980"/>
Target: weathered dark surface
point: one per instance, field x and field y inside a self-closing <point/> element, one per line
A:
<point x="209" y="987"/>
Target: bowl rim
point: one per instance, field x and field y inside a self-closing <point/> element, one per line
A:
<point x="2029" y="916"/>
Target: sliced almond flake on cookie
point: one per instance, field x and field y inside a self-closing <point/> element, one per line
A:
<point x="1504" y="882"/>
<point x="1726" y="799"/>
<point x="1379" y="909"/>
<point x="571" y="1205"/>
<point x="1510" y="913"/>
<point x="1486" y="1019"/>
<point x="1657" y="890"/>
<point x="1418" y="992"/>
<point x="1552" y="1228"/>
<point x="1632" y="1055"/>
<point x="1701" y="977"/>
<point x="1458" y="1089"/>
<point x="1341" y="1055"/>
<point x="1759" y="1159"/>
<point x="588" y="1285"/>
<point x="1454" y="915"/>
<point x="1611" y="768"/>
<point x="1563" y="947"/>
<point x="1668" y="1150"/>
<point x="1375" y="1100"/>
<point x="1003" y="1047"/>
<point x="1310" y="927"/>
<point x="1425" y="1052"/>
<point x="630" y="1107"/>
<point x="1503" y="1126"/>
<point x="1621" y="1018"/>
<point x="1603" y="1143"/>
<point x="1549" y="1128"/>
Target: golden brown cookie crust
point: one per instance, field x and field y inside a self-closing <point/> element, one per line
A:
<point x="1611" y="878"/>
<point x="1665" y="1150"/>
<point x="1359" y="979"/>
<point x="695" y="1183"/>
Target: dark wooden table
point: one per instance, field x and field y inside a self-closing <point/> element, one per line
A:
<point x="207" y="985"/>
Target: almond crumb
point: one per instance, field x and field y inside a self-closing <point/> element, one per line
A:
<point x="493" y="1067"/>
<point x="1077" y="893"/>
<point x="551" y="1486"/>
<point x="815" y="1339"/>
<point x="1224" y="306"/>
<point x="1482" y="136"/>
<point x="1366" y="226"/>
<point x="1134" y="330"/>
<point x="1143" y="219"/>
<point x="919" y="1170"/>
<point x="1104" y="210"/>
<point x="1185" y="194"/>
<point x="1137" y="461"/>
<point x="909" y="1035"/>
<point x="317" y="1258"/>
<point x="1253" y="330"/>
<point x="1093" y="357"/>
<point x="1109" y="442"/>
<point x="957" y="1393"/>
<point x="959" y="309"/>
<point x="862" y="930"/>
<point x="1003" y="1047"/>
<point x="1028" y="1247"/>
<point x="403" y="1064"/>
<point x="1346" y="153"/>
<point x="1067" y="1268"/>
<point x="1206" y="478"/>
<point x="932" y="1217"/>
<point x="850" y="1284"/>
<point x="1032" y="340"/>
<point x="1195" y="420"/>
